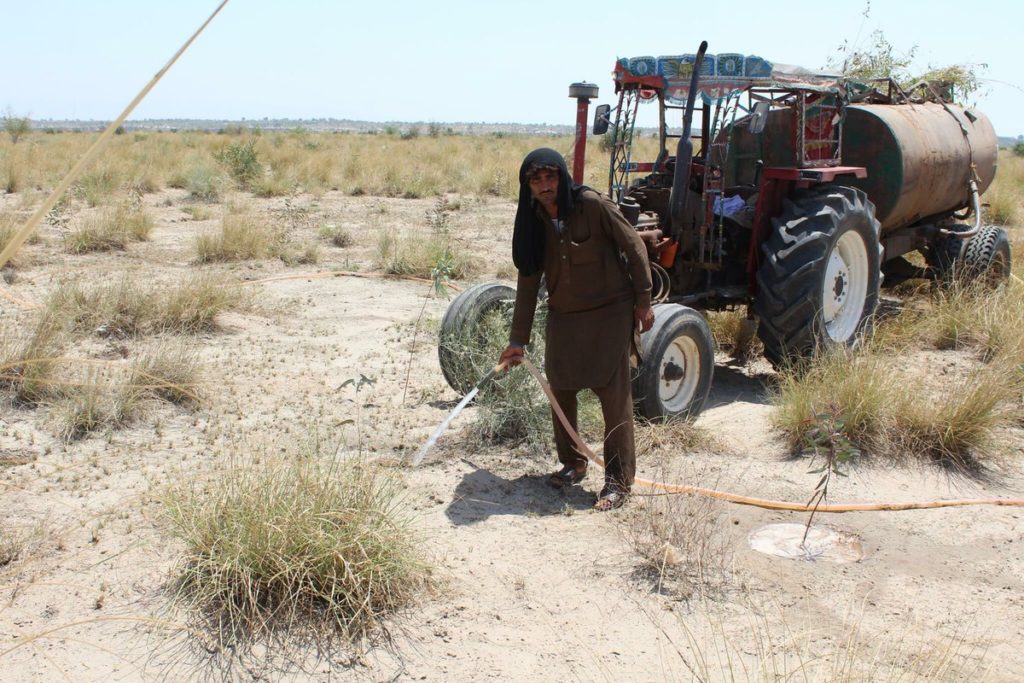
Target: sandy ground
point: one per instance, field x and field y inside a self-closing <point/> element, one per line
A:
<point x="532" y="585"/>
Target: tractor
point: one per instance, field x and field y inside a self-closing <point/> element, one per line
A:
<point x="791" y="193"/>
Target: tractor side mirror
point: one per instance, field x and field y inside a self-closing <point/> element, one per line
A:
<point x="601" y="121"/>
<point x="758" y="118"/>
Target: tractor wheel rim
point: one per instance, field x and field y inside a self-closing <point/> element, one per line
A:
<point x="845" y="287"/>
<point x="679" y="374"/>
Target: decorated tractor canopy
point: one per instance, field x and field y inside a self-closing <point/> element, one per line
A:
<point x="791" y="193"/>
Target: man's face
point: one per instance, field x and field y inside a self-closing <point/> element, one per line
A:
<point x="544" y="186"/>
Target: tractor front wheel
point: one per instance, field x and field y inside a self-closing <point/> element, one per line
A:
<point x="677" y="358"/>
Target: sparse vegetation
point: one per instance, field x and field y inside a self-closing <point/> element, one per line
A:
<point x="127" y="307"/>
<point x="309" y="542"/>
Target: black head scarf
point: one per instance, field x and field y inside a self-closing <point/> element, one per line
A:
<point x="528" y="234"/>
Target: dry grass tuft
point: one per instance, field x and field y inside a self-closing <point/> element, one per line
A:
<point x="28" y="357"/>
<point x="408" y="254"/>
<point x="242" y="237"/>
<point x="308" y="543"/>
<point x="112" y="229"/>
<point x="169" y="373"/>
<point x="956" y="423"/>
<point x="674" y="436"/>
<point x="107" y="397"/>
<point x="855" y="387"/>
<point x="125" y="307"/>
<point x="880" y="405"/>
<point x="86" y="406"/>
<point x="1005" y="198"/>
<point x="193" y="306"/>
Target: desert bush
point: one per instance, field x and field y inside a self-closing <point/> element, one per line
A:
<point x="16" y="127"/>
<point x="242" y="237"/>
<point x="308" y="542"/>
<point x="681" y="542"/>
<point x="203" y="182"/>
<point x="241" y="162"/>
<point x="512" y="407"/>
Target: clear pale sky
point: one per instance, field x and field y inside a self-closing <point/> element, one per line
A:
<point x="449" y="60"/>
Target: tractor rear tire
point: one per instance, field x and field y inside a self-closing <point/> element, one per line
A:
<point x="459" y="337"/>
<point x="986" y="258"/>
<point x="676" y="365"/>
<point x="820" y="273"/>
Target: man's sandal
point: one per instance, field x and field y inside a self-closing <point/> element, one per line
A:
<point x="567" y="476"/>
<point x="611" y="497"/>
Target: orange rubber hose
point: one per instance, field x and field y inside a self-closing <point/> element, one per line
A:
<point x="759" y="502"/>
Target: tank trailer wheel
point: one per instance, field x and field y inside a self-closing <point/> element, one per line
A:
<point x="460" y="340"/>
<point x="986" y="258"/>
<point x="821" y="270"/>
<point x="677" y="361"/>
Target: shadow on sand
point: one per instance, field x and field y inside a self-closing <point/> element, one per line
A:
<point x="482" y="494"/>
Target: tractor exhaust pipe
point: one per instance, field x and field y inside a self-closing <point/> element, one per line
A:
<point x="583" y="92"/>
<point x="684" y="151"/>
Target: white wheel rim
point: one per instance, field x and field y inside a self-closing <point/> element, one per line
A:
<point x="845" y="287"/>
<point x="679" y="374"/>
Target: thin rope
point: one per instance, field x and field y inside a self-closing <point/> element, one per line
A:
<point x="757" y="502"/>
<point x="16" y="242"/>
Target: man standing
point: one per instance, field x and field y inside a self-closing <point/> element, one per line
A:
<point x="577" y="238"/>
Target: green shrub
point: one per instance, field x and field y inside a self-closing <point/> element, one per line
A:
<point x="241" y="161"/>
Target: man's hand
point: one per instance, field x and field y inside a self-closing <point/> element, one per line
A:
<point x="644" y="317"/>
<point x="512" y="355"/>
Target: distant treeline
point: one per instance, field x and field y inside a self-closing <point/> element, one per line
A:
<point x="311" y="125"/>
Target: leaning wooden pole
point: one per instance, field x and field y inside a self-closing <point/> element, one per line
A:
<point x="16" y="242"/>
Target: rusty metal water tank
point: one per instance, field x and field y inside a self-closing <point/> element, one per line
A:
<point x="918" y="157"/>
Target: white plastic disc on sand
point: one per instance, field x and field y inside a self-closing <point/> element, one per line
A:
<point x="822" y="543"/>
